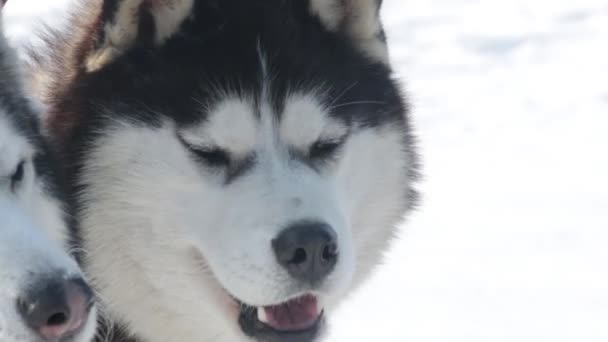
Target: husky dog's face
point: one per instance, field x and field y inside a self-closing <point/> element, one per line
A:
<point x="237" y="173"/>
<point x="42" y="294"/>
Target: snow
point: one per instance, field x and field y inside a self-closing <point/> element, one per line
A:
<point x="511" y="110"/>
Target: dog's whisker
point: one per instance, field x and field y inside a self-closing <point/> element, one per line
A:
<point x="339" y="96"/>
<point x="353" y="103"/>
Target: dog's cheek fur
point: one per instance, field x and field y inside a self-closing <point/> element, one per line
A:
<point x="373" y="181"/>
<point x="140" y="219"/>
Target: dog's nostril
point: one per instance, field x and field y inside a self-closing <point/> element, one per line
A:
<point x="299" y="257"/>
<point x="330" y="252"/>
<point x="307" y="250"/>
<point x="57" y="319"/>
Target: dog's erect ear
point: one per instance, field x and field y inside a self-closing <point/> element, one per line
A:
<point x="357" y="19"/>
<point x="122" y="23"/>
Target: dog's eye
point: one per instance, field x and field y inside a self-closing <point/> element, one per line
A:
<point x="214" y="156"/>
<point x="209" y="155"/>
<point x="17" y="176"/>
<point x="323" y="149"/>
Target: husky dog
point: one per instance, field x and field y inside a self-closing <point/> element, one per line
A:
<point x="238" y="166"/>
<point x="43" y="296"/>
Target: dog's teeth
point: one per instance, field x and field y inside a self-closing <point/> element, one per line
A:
<point x="320" y="306"/>
<point x="262" y="315"/>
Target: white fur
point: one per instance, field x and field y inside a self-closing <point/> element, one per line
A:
<point x="167" y="240"/>
<point x="43" y="209"/>
<point x="32" y="236"/>
<point x="231" y="123"/>
<point x="331" y="12"/>
<point x="169" y="15"/>
<point x="303" y="133"/>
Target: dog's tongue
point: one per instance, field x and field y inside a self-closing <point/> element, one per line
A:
<point x="298" y="314"/>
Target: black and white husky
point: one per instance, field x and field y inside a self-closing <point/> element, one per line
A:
<point x="42" y="293"/>
<point x="238" y="165"/>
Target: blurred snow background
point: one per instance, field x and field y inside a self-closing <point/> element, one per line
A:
<point x="511" y="108"/>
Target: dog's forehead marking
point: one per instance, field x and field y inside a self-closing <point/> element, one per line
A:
<point x="305" y="120"/>
<point x="230" y="124"/>
<point x="234" y="124"/>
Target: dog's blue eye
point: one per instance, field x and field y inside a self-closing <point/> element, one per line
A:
<point x="17" y="175"/>
<point x="323" y="149"/>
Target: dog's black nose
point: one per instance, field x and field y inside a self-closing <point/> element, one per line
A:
<point x="56" y="308"/>
<point x="308" y="250"/>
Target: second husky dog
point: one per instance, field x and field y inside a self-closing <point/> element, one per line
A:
<point x="43" y="297"/>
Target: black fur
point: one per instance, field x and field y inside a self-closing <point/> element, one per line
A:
<point x="218" y="48"/>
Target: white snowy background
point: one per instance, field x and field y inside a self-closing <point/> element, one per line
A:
<point x="511" y="110"/>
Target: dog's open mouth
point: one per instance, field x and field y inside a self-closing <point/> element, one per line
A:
<point x="298" y="319"/>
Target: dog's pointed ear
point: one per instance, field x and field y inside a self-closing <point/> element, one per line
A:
<point x="359" y="20"/>
<point x="123" y="23"/>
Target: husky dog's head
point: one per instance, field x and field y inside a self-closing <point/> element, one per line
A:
<point x="239" y="165"/>
<point x="42" y="293"/>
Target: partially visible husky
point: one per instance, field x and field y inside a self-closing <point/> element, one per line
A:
<point x="239" y="165"/>
<point x="43" y="297"/>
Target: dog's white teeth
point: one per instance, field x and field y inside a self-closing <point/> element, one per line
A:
<point x="320" y="306"/>
<point x="262" y="315"/>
